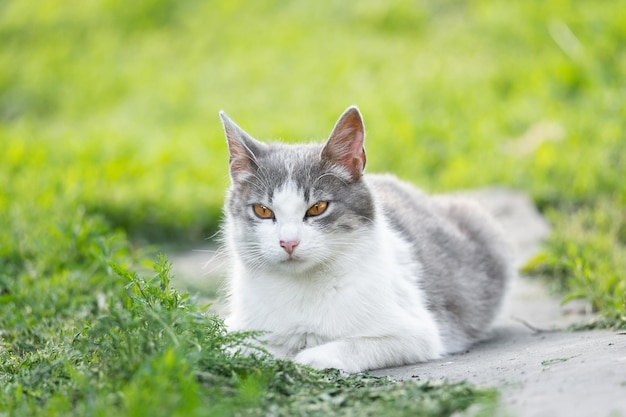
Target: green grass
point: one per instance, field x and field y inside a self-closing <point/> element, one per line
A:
<point x="138" y="348"/>
<point x="109" y="134"/>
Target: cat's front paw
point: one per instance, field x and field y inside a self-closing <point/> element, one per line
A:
<point x="329" y="355"/>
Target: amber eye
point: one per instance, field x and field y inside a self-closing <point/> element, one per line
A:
<point x="262" y="212"/>
<point x="317" y="209"/>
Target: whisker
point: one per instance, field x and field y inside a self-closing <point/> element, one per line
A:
<point x="330" y="174"/>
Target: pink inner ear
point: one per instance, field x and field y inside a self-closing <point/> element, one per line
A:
<point x="241" y="146"/>
<point x="239" y="160"/>
<point x="239" y="163"/>
<point x="345" y="144"/>
<point x="356" y="158"/>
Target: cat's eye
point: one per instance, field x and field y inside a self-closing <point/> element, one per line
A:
<point x="262" y="212"/>
<point x="317" y="209"/>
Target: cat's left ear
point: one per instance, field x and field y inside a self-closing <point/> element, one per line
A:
<point x="243" y="148"/>
<point x="345" y="143"/>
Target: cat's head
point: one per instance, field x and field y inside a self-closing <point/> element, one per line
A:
<point x="295" y="208"/>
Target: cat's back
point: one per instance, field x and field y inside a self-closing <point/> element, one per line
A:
<point x="418" y="217"/>
<point x="465" y="259"/>
<point x="435" y="220"/>
<point x="404" y="205"/>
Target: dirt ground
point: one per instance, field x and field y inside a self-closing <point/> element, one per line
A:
<point x="540" y="368"/>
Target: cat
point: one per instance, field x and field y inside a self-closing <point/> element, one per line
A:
<point x="341" y="269"/>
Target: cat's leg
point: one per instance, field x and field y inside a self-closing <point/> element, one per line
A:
<point x="359" y="354"/>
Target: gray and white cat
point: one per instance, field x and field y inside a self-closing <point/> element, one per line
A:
<point x="352" y="271"/>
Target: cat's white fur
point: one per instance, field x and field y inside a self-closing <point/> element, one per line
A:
<point x="367" y="314"/>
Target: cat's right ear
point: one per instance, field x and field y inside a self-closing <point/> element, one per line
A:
<point x="243" y="148"/>
<point x="345" y="144"/>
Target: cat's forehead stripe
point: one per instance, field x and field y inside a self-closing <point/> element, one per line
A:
<point x="288" y="201"/>
<point x="293" y="167"/>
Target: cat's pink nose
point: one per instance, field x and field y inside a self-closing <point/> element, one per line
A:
<point x="289" y="245"/>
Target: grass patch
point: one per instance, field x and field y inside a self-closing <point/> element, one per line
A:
<point x="135" y="347"/>
<point x="586" y="258"/>
<point x="109" y="129"/>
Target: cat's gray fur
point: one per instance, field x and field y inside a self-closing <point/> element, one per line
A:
<point x="466" y="261"/>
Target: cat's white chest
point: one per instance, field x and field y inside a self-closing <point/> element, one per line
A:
<point x="373" y="297"/>
<point x="299" y="314"/>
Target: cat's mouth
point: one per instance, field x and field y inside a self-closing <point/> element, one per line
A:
<point x="292" y="260"/>
<point x="295" y="265"/>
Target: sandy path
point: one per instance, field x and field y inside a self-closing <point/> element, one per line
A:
<point x="547" y="373"/>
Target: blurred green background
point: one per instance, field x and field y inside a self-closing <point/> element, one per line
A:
<point x="110" y="143"/>
<point x="108" y="113"/>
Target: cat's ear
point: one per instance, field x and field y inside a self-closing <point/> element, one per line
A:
<point x="243" y="148"/>
<point x="345" y="143"/>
